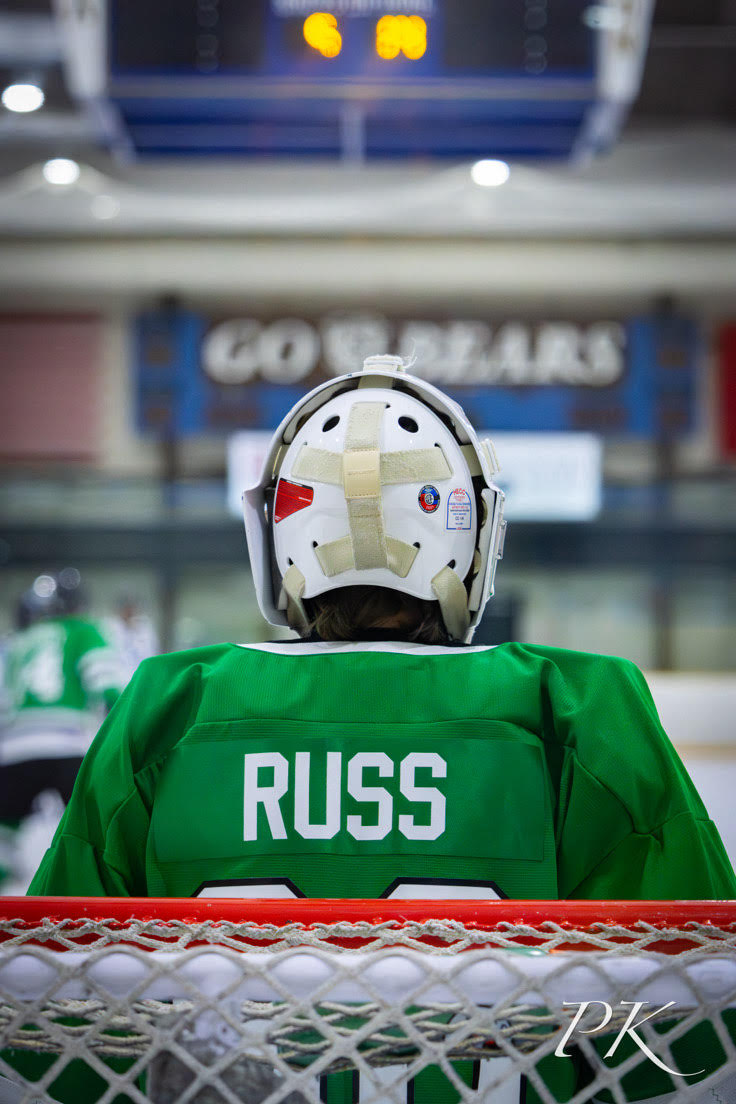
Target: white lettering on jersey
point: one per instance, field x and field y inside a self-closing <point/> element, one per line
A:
<point x="268" y="796"/>
<point x="377" y="794"/>
<point x="302" y="823"/>
<point x="39" y="662"/>
<point x="425" y="794"/>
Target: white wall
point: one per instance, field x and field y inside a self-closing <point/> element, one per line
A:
<point x="698" y="712"/>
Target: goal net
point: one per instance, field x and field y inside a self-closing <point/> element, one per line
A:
<point x="225" y="1001"/>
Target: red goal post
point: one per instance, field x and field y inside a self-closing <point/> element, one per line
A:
<point x="261" y="1000"/>
<point x="680" y="924"/>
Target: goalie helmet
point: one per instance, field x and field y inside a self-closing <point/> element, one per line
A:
<point x="376" y="478"/>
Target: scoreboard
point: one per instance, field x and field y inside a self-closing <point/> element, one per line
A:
<point x="372" y="78"/>
<point x="351" y="40"/>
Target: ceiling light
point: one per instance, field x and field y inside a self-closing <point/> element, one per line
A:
<point x="489" y="174"/>
<point x="44" y="586"/>
<point x="23" y="97"/>
<point x="61" y="171"/>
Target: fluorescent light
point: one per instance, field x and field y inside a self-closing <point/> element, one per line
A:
<point x="44" y="586"/>
<point x="22" y="97"/>
<point x="61" y="171"/>
<point x="489" y="174"/>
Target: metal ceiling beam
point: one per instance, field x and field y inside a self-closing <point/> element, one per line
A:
<point x="47" y="126"/>
<point x="29" y="40"/>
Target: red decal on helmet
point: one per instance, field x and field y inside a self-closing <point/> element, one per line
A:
<point x="291" y="497"/>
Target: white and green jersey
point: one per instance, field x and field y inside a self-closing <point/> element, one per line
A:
<point x="388" y="770"/>
<point x="536" y="772"/>
<point x="59" y="676"/>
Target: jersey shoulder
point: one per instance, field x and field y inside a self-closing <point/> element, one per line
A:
<point x="605" y="718"/>
<point x="185" y="673"/>
<point x="187" y="662"/>
<point x="567" y="657"/>
<point x="573" y="667"/>
<point x="161" y="702"/>
<point x="594" y="678"/>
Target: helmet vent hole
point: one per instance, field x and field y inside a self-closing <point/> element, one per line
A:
<point x="315" y="544"/>
<point x="417" y="544"/>
<point x="289" y="562"/>
<point x="451" y="563"/>
<point x="330" y="423"/>
<point x="408" y="424"/>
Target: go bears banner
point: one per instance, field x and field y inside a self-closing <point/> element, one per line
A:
<point x="201" y="374"/>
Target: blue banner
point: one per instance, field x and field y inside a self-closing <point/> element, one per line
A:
<point x="636" y="377"/>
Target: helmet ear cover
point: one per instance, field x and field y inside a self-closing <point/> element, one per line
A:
<point x="375" y="479"/>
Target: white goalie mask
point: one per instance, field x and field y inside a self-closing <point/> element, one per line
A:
<point x="376" y="478"/>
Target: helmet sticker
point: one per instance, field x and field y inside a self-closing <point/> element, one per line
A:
<point x="291" y="497"/>
<point x="459" y="510"/>
<point x="429" y="498"/>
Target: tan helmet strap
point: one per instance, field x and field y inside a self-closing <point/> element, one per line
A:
<point x="382" y="382"/>
<point x="406" y="466"/>
<point x="471" y="459"/>
<point x="453" y="599"/>
<point x="414" y="466"/>
<point x="337" y="556"/>
<point x="290" y="599"/>
<point x="361" y="478"/>
<point x="318" y="465"/>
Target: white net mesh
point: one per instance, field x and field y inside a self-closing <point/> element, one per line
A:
<point x="209" y="1010"/>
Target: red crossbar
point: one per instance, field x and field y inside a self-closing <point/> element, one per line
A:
<point x="573" y="914"/>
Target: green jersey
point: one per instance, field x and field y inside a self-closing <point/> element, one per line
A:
<point x="519" y="771"/>
<point x="264" y="770"/>
<point x="59" y="674"/>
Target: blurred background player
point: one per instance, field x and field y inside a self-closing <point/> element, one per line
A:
<point x="60" y="676"/>
<point x="131" y="632"/>
<point x="382" y="734"/>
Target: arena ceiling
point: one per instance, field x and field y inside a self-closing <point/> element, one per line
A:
<point x="671" y="172"/>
